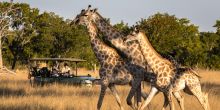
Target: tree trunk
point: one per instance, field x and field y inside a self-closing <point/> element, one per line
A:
<point x="14" y="62"/>
<point x="1" y="62"/>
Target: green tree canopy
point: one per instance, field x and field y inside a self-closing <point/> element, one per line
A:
<point x="211" y="51"/>
<point x="171" y="35"/>
<point x="123" y="27"/>
<point x="23" y="32"/>
<point x="46" y="34"/>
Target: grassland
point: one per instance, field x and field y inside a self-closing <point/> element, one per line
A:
<point x="17" y="94"/>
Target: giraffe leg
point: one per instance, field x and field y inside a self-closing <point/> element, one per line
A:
<point x="166" y="102"/>
<point x="101" y="96"/>
<point x="169" y="95"/>
<point x="180" y="99"/>
<point x="203" y="98"/>
<point x="133" y="106"/>
<point x="135" y="99"/>
<point x="144" y="95"/>
<point x="135" y="85"/>
<point x="115" y="93"/>
<point x="138" y="92"/>
<point x="152" y="93"/>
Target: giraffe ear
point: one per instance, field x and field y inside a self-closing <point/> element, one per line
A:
<point x="83" y="10"/>
<point x="95" y="10"/>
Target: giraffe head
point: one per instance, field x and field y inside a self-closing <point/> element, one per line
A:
<point x="136" y="36"/>
<point x="86" y="16"/>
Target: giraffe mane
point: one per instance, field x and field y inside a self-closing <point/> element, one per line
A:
<point x="150" y="45"/>
<point x="108" y="24"/>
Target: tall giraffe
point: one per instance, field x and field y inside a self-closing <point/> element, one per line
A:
<point x="168" y="81"/>
<point x="112" y="71"/>
<point x="131" y="52"/>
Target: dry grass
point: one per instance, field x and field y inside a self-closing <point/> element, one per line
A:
<point x="17" y="94"/>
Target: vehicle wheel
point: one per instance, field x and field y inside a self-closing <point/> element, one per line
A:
<point x="86" y="83"/>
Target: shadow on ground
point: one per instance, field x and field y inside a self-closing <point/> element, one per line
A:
<point x="25" y="107"/>
<point x="211" y="88"/>
<point x="11" y="92"/>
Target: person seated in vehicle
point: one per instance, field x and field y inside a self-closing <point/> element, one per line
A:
<point x="55" y="70"/>
<point x="43" y="70"/>
<point x="35" y="70"/>
<point x="66" y="70"/>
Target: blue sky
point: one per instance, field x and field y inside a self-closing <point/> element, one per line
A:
<point x="202" y="13"/>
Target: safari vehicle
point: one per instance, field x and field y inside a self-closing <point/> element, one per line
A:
<point x="43" y="74"/>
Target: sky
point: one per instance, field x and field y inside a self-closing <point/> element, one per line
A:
<point x="202" y="13"/>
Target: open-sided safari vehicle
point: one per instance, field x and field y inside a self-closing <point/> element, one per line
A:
<point x="48" y="70"/>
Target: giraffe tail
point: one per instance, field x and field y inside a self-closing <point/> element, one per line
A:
<point x="194" y="72"/>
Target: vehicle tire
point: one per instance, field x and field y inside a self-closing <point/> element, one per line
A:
<point x="86" y="83"/>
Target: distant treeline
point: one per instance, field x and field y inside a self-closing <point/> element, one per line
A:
<point x="49" y="35"/>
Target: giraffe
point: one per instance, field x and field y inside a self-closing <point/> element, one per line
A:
<point x="112" y="71"/>
<point x="136" y="63"/>
<point x="168" y="81"/>
<point x="130" y="52"/>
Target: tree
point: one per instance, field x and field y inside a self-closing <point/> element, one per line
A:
<point x="174" y="36"/>
<point x="210" y="42"/>
<point x="8" y="14"/>
<point x="43" y="42"/>
<point x="56" y="38"/>
<point x="124" y="28"/>
<point x="82" y="46"/>
<point x="23" y="31"/>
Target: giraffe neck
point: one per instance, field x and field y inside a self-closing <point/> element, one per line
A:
<point x="153" y="59"/>
<point x="92" y="32"/>
<point x="111" y="34"/>
<point x="131" y="51"/>
<point x="101" y="50"/>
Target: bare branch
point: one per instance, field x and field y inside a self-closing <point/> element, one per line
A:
<point x="25" y="41"/>
<point x="5" y="13"/>
<point x="9" y="71"/>
<point x="4" y="27"/>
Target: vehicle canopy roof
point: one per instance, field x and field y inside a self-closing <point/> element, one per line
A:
<point x="58" y="59"/>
